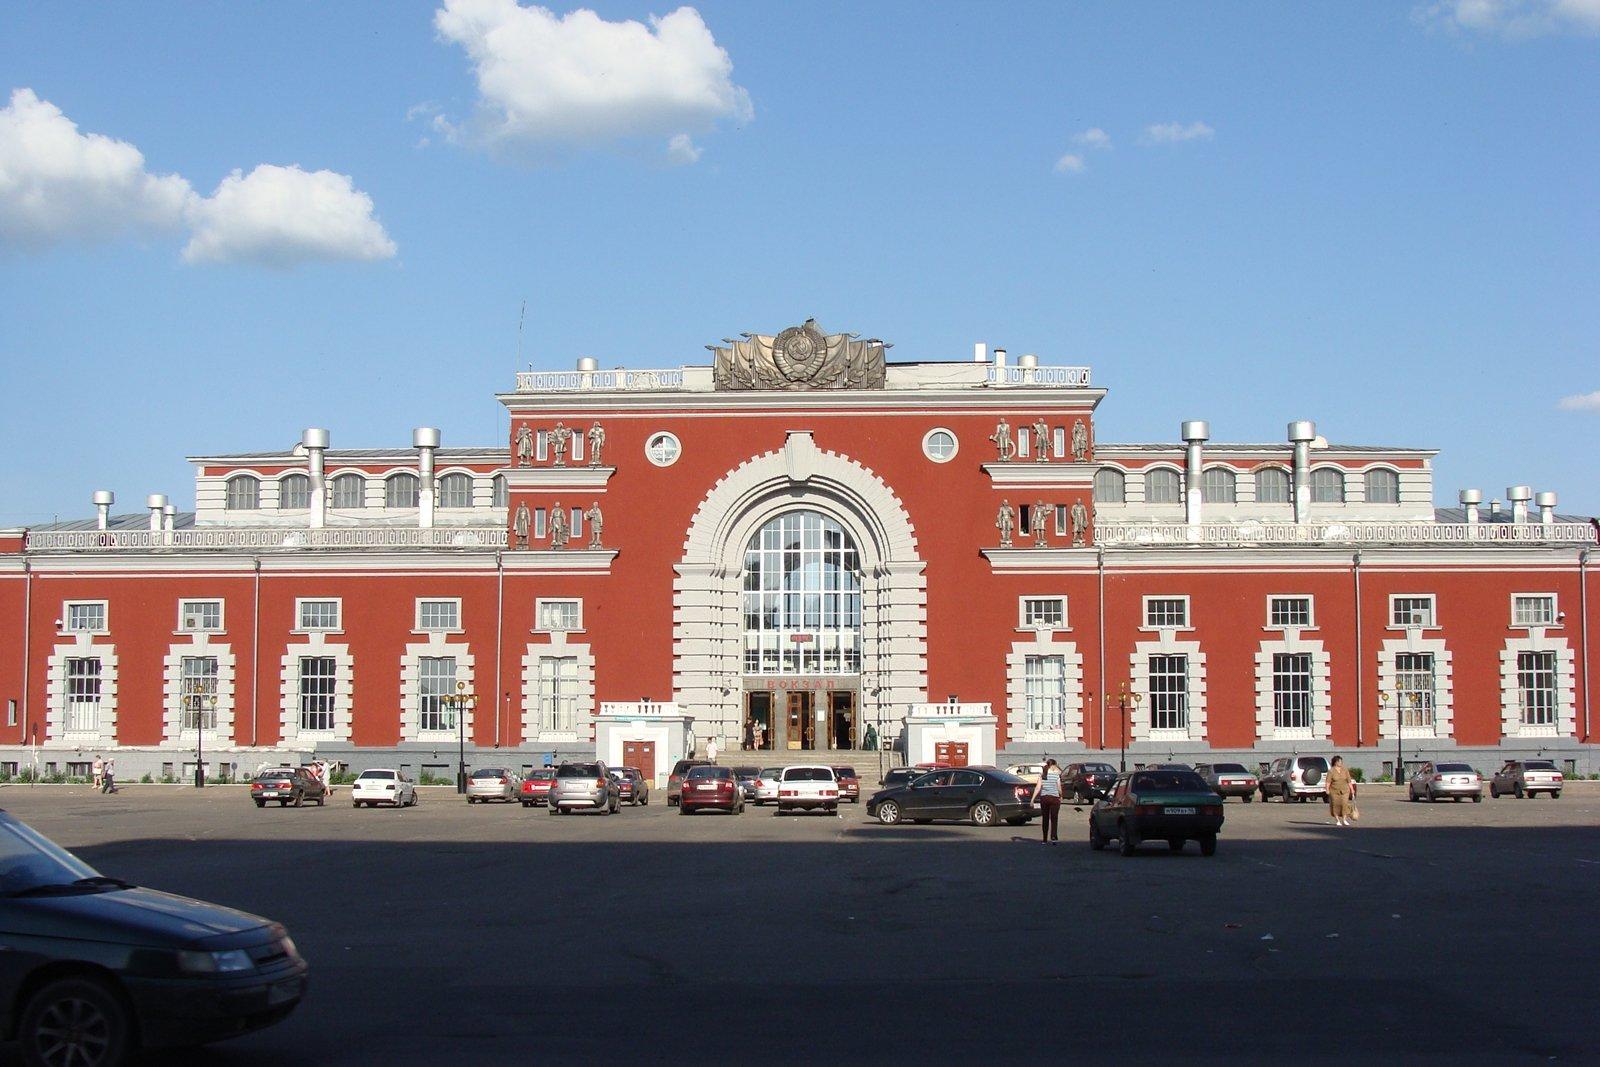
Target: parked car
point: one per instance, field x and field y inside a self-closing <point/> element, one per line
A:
<point x="899" y="776"/>
<point x="1166" y="767"/>
<point x="382" y="786"/>
<point x="287" y="786"/>
<point x="535" y="788"/>
<point x="493" y="783"/>
<point x="1457" y="781"/>
<point x="675" y="779"/>
<point x="767" y="786"/>
<point x="94" y="968"/>
<point x="1028" y="772"/>
<point x="1080" y="780"/>
<point x="583" y="786"/>
<point x="1151" y="805"/>
<point x="849" y="784"/>
<point x="983" y="797"/>
<point x="632" y="789"/>
<point x="807" y="788"/>
<point x="1228" y="780"/>
<point x="711" y="788"/>
<point x="1525" y="777"/>
<point x="748" y="777"/>
<point x="1296" y="778"/>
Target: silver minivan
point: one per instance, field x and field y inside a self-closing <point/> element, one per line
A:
<point x="583" y="787"/>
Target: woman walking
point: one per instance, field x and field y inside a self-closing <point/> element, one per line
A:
<point x="1341" y="788"/>
<point x="1047" y="794"/>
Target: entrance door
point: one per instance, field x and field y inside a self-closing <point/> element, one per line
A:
<point x="758" y="730"/>
<point x="802" y="727"/>
<point x="641" y="754"/>
<point x="950" y="753"/>
<point x="841" y="719"/>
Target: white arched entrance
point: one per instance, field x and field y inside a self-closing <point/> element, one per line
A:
<point x="708" y="674"/>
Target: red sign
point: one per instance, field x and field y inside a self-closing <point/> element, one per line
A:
<point x="799" y="637"/>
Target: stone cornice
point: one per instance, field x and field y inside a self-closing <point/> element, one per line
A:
<point x="550" y="478"/>
<point x="560" y="561"/>
<point x="1031" y="474"/>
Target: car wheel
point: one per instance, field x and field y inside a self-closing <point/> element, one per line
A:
<point x="283" y="803"/>
<point x="1517" y="790"/>
<point x="888" y="813"/>
<point x="322" y="801"/>
<point x="261" y="803"/>
<point x="1248" y="797"/>
<point x="1097" y="840"/>
<point x="983" y="813"/>
<point x="1477" y="798"/>
<point x="1556" y="795"/>
<point x="1128" y="842"/>
<point x="1208" y="845"/>
<point x="1412" y="795"/>
<point x="76" y="1021"/>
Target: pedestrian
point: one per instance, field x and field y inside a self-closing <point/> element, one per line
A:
<point x="1047" y="794"/>
<point x="99" y="769"/>
<point x="711" y="750"/>
<point x="108" y="777"/>
<point x="1341" y="790"/>
<point x="749" y="735"/>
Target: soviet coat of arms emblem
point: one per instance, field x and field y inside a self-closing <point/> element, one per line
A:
<point x="801" y="357"/>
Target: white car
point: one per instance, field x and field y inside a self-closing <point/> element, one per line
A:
<point x="1032" y="772"/>
<point x="381" y="786"/>
<point x="807" y="788"/>
<point x="767" y="791"/>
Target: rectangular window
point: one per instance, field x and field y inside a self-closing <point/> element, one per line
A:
<point x="1045" y="688"/>
<point x="439" y="615"/>
<point x="85" y="617"/>
<point x="577" y="445"/>
<point x="1044" y="613"/>
<point x="1411" y="611"/>
<point x="1538" y="609"/>
<point x="538" y="522"/>
<point x="1058" y="442"/>
<point x="576" y="526"/>
<point x="1061" y="520"/>
<point x="1169" y="692"/>
<point x="541" y="445"/>
<point x="1166" y="612"/>
<point x="559" y="615"/>
<point x="558" y="694"/>
<point x="199" y="616"/>
<point x="1287" y="611"/>
<point x="1291" y="690"/>
<point x="1414" y="689"/>
<point x="198" y="692"/>
<point x="1536" y="688"/>
<point x="436" y="679"/>
<point x="1024" y="439"/>
<point x="83" y="695"/>
<point x="11" y="713"/>
<point x="317" y="678"/>
<point x="317" y="614"/>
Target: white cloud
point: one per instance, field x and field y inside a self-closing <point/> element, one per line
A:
<point x="682" y="149"/>
<point x="58" y="184"/>
<point x="1093" y="137"/>
<point x="1175" y="132"/>
<point x="578" y="80"/>
<point x="1069" y="164"/>
<point x="284" y="216"/>
<point x="1513" y="19"/>
<point x="1581" y="402"/>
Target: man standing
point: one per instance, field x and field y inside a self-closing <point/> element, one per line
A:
<point x="561" y="437"/>
<point x="1002" y="440"/>
<point x="1041" y="441"/>
<point x="524" y="447"/>
<point x="558" y="526"/>
<point x="1006" y="521"/>
<point x="519" y="525"/>
<point x="597" y="523"/>
<point x="99" y="769"/>
<point x="1038" y="519"/>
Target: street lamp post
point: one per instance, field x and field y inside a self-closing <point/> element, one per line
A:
<point x="200" y="703"/>
<point x="1124" y="724"/>
<point x="460" y="702"/>
<point x="1400" y="701"/>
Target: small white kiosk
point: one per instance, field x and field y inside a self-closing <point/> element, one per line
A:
<point x="647" y="734"/>
<point x="952" y="733"/>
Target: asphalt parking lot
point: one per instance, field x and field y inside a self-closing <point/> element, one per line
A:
<point x="447" y="932"/>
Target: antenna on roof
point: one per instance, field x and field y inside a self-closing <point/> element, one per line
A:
<point x="521" y="315"/>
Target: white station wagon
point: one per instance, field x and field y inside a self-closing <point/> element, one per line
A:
<point x="382" y="786"/>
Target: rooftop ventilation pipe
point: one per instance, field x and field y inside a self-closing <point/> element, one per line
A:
<point x="1494" y="510"/>
<point x="980" y="353"/>
<point x="1547" y="507"/>
<point x="1301" y="433"/>
<point x="169" y="518"/>
<point x="999" y="357"/>
<point x="103" y="499"/>
<point x="1470" y="499"/>
<point x="1519" y="495"/>
<point x="425" y="439"/>
<point x="155" y="502"/>
<point x="315" y="442"/>
<point x="1195" y="433"/>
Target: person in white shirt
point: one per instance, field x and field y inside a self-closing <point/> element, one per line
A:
<point x="711" y="750"/>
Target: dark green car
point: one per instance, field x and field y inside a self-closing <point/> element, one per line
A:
<point x="1172" y="806"/>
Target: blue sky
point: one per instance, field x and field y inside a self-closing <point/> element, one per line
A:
<point x="1382" y="217"/>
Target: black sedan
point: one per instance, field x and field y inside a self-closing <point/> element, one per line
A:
<point x="93" y="967"/>
<point x="1170" y="806"/>
<point x="1080" y="781"/>
<point x="981" y="796"/>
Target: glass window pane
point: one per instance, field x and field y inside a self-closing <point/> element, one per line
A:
<point x="1110" y="486"/>
<point x="349" y="491"/>
<point x="244" y="493"/>
<point x="1272" y="485"/>
<point x="1383" y="487"/>
<point x="1163" y="486"/>
<point x="1217" y="486"/>
<point x="402" y="491"/>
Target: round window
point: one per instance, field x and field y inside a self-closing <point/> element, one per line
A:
<point x="662" y="449"/>
<point x="939" y="445"/>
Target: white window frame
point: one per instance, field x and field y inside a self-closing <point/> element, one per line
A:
<point x="1311" y="611"/>
<point x="558" y="694"/>
<point x="543" y="606"/>
<point x="300" y="618"/>
<point x="500" y="491"/>
<point x="294" y="476"/>
<point x="392" y="478"/>
<point x="1522" y="690"/>
<point x="1058" y="442"/>
<point x="345" y="478"/>
<point x="541" y="444"/>
<point x="1061" y="520"/>
<point x="540" y="523"/>
<point x="1181" y="695"/>
<point x="1310" y="693"/>
<point x="187" y="610"/>
<point x="331" y="696"/>
<point x="1366" y="484"/>
<point x="74" y="703"/>
<point x="1188" y="617"/>
<point x="1227" y="479"/>
<point x="432" y="703"/>
<point x="1023" y="602"/>
<point x="1024" y="439"/>
<point x="1122" y="486"/>
<point x="1423" y="712"/>
<point x="1344" y="483"/>
<point x="422" y="628"/>
<point x="192" y="704"/>
<point x="1175" y="472"/>
<point x="1288" y="483"/>
<point x="1433" y="610"/>
<point x="663" y="436"/>
<point x="228" y="497"/>
<point x="1555" y="611"/>
<point x="440" y="487"/>
<point x="67" y="626"/>
<point x="1044" y="692"/>
<point x="927" y="439"/>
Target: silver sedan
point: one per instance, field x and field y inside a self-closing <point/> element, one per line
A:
<point x="493" y="783"/>
<point x="1453" y="781"/>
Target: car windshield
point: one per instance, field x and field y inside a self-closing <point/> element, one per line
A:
<point x="1167" y="782"/>
<point x="1229" y="768"/>
<point x="1099" y="768"/>
<point x="1453" y="768"/>
<point x="381" y="776"/>
<point x="578" y="770"/>
<point x="543" y="775"/>
<point x="29" y="860"/>
<point x="1538" y="765"/>
<point x="709" y="772"/>
<point x="808" y="774"/>
<point x="491" y="772"/>
<point x="747" y="772"/>
<point x="771" y="772"/>
<point x="284" y="777"/>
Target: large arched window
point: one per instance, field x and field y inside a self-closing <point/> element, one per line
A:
<point x="244" y="493"/>
<point x="401" y="491"/>
<point x="1327" y="485"/>
<point x="1272" y="485"/>
<point x="294" y="492"/>
<point x="1163" y="486"/>
<point x="802" y="598"/>
<point x="1218" y="485"/>
<point x="349" y="491"/>
<point x="1110" y="486"/>
<point x="455" y="491"/>
<point x="1383" y="486"/>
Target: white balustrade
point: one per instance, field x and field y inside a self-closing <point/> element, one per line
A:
<point x="951" y="709"/>
<point x="1060" y="377"/>
<point x="572" y="381"/>
<point x="266" y="539"/>
<point x="1154" y="535"/>
<point x="641" y="709"/>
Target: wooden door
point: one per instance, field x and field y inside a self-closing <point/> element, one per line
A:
<point x="800" y="725"/>
<point x="950" y="753"/>
<point x="641" y="754"/>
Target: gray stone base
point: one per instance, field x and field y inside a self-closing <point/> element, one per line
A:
<point x="1570" y="755"/>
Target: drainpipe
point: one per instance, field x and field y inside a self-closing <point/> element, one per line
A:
<point x="1583" y="627"/>
<point x="27" y="642"/>
<point x="255" y="654"/>
<point x="1195" y="433"/>
<point x="425" y="439"/>
<point x="1100" y="557"/>
<point x="499" y="627"/>
<point x="315" y="443"/>
<point x="103" y="499"/>
<point x="1301" y="433"/>
<point x="1355" y="570"/>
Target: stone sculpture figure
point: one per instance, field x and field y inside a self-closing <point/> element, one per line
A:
<point x="558" y="526"/>
<point x="597" y="523"/>
<point x="561" y="437"/>
<point x="597" y="441"/>
<point x="1041" y="441"/>
<point x="1003" y="442"/>
<point x="1080" y="523"/>
<point x="1006" y="521"/>
<point x="519" y="526"/>
<point x="1040" y="518"/>
<point x="524" y="447"/>
<point x="1080" y="441"/>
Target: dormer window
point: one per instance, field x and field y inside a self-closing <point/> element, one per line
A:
<point x="455" y="491"/>
<point x="1163" y="486"/>
<point x="349" y="491"/>
<point x="1383" y="487"/>
<point x="244" y="493"/>
<point x="294" y="492"/>
<point x="1327" y="485"/>
<point x="402" y="491"/>
<point x="1217" y="486"/>
<point x="1272" y="485"/>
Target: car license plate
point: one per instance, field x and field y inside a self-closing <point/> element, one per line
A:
<point x="284" y="991"/>
<point x="1180" y="811"/>
<point x="705" y="787"/>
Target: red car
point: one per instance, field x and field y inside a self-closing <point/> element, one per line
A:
<point x="536" y="786"/>
<point x="849" y="784"/>
<point x="711" y="787"/>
